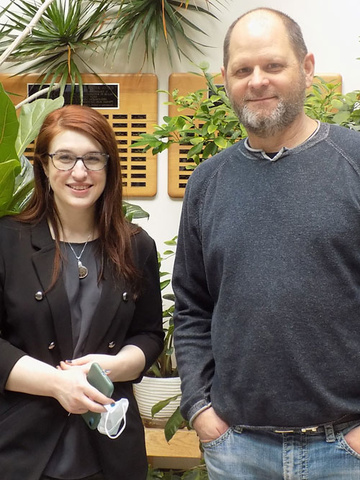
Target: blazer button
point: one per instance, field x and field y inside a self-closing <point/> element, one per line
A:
<point x="51" y="345"/>
<point x="111" y="345"/>
<point x="39" y="295"/>
<point x="125" y="296"/>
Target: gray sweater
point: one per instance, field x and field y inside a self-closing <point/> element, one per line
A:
<point x="267" y="284"/>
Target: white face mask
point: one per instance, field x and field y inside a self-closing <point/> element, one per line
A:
<point x="110" y="421"/>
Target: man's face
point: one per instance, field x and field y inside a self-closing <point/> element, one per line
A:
<point x="265" y="82"/>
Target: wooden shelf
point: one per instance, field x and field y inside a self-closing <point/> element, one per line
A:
<point x="184" y="444"/>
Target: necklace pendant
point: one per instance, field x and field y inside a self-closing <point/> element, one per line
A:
<point x="83" y="271"/>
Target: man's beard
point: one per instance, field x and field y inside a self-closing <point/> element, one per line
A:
<point x="263" y="124"/>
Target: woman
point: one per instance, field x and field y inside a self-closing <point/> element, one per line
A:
<point x="78" y="285"/>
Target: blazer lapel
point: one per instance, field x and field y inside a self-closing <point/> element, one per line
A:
<point x="57" y="298"/>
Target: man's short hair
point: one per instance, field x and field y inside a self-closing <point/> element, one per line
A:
<point x="293" y="30"/>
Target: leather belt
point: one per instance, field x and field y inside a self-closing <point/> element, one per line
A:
<point x="337" y="425"/>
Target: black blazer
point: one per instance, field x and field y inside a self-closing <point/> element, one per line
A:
<point x="36" y="323"/>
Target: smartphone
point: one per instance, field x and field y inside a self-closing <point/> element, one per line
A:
<point x="98" y="379"/>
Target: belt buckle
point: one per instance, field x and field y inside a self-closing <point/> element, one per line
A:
<point x="310" y="430"/>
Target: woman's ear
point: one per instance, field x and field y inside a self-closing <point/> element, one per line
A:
<point x="46" y="169"/>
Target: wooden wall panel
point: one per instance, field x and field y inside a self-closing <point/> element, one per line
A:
<point x="131" y="107"/>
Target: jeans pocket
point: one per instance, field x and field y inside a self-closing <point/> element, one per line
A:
<point x="349" y="440"/>
<point x="219" y="440"/>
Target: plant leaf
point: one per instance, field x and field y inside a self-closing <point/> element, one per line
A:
<point x="8" y="128"/>
<point x="23" y="187"/>
<point x="31" y="118"/>
<point x="7" y="183"/>
<point x="175" y="422"/>
<point x="162" y="404"/>
<point x="133" y="211"/>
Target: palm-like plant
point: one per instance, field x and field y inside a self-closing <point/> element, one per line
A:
<point x="56" y="46"/>
<point x="68" y="30"/>
<point x="158" y="21"/>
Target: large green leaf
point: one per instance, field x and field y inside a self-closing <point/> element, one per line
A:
<point x="8" y="128"/>
<point x="175" y="422"/>
<point x="31" y="118"/>
<point x="24" y="184"/>
<point x="7" y="182"/>
<point x="162" y="404"/>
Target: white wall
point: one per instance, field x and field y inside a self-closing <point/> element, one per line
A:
<point x="331" y="30"/>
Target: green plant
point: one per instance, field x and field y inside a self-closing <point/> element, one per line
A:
<point x="319" y="100"/>
<point x="348" y="110"/>
<point x="209" y="124"/>
<point x="325" y="103"/>
<point x="69" y="31"/>
<point x="164" y="365"/>
<point x="16" y="179"/>
<point x="156" y="22"/>
<point x="133" y="212"/>
<point x="57" y="44"/>
<point x="198" y="472"/>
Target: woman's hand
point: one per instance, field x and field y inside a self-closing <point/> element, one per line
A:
<point x="67" y="384"/>
<point x="126" y="365"/>
<point x="106" y="362"/>
<point x="209" y="426"/>
<point x="75" y="393"/>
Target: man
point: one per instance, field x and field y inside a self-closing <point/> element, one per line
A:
<point x="267" y="275"/>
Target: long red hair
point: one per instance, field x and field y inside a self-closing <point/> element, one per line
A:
<point x="114" y="231"/>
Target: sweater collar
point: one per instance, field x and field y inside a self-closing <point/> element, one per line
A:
<point x="274" y="156"/>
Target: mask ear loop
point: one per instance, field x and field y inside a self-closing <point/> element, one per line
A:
<point x="123" y="418"/>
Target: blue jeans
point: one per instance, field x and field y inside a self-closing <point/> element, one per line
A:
<point x="241" y="454"/>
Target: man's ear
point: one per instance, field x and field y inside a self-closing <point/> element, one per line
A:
<point x="309" y="69"/>
<point x="223" y="74"/>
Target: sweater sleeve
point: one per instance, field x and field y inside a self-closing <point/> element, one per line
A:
<point x="193" y="308"/>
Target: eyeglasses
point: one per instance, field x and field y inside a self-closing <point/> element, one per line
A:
<point x="66" y="161"/>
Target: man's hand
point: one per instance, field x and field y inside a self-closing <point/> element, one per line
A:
<point x="353" y="439"/>
<point x="209" y="426"/>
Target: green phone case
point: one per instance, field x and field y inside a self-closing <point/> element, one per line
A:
<point x="98" y="379"/>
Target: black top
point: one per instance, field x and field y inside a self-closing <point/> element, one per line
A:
<point x="68" y="460"/>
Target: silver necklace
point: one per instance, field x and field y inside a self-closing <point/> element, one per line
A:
<point x="83" y="271"/>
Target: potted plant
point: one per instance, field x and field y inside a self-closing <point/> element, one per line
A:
<point x="158" y="394"/>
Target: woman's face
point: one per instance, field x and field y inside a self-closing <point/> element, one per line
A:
<point x="77" y="189"/>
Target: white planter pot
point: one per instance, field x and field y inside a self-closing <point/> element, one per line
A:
<point x="152" y="390"/>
